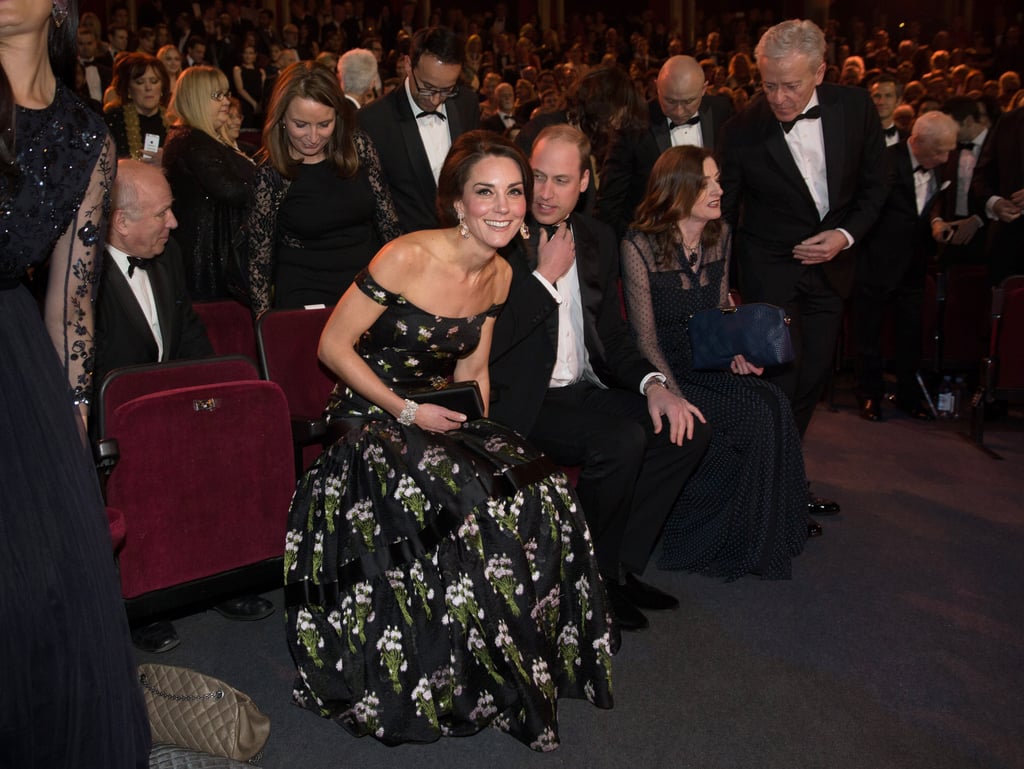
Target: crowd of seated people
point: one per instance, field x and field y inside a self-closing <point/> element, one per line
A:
<point x="604" y="144"/>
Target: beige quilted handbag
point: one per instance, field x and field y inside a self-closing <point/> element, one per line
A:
<point x="197" y="711"/>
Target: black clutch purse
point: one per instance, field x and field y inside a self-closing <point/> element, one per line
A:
<point x="463" y="397"/>
<point x="757" y="331"/>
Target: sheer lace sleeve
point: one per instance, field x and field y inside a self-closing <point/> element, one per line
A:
<point x="636" y="255"/>
<point x="74" y="272"/>
<point x="261" y="234"/>
<point x="385" y="217"/>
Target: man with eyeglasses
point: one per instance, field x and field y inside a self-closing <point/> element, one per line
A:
<point x="682" y="114"/>
<point x="414" y="126"/>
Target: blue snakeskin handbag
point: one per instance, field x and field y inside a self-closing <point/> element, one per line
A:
<point x="757" y="331"/>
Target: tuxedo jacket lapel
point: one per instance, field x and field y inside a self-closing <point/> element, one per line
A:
<point x="778" y="150"/>
<point x="410" y="133"/>
<point x="659" y="127"/>
<point x="833" y="131"/>
<point x="591" y="294"/>
<point x="529" y="250"/>
<point x="707" y="125"/>
<point x="163" y="296"/>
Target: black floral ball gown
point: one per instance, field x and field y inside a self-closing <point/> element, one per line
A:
<point x="745" y="509"/>
<point x="69" y="696"/>
<point x="428" y="596"/>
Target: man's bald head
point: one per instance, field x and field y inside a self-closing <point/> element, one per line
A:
<point x="933" y="138"/>
<point x="681" y="84"/>
<point x="142" y="220"/>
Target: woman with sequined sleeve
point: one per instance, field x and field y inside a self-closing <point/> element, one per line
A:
<point x="68" y="693"/>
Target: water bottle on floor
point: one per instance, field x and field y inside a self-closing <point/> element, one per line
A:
<point x="946" y="402"/>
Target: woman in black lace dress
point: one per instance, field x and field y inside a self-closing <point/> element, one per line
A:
<point x="429" y="593"/>
<point x="212" y="186"/>
<point x="322" y="209"/>
<point x="68" y="693"/>
<point x="745" y="509"/>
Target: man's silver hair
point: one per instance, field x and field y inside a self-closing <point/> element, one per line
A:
<point x="792" y="36"/>
<point x="357" y="71"/>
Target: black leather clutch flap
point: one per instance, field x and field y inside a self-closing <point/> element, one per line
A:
<point x="463" y="397"/>
<point x="757" y="331"/>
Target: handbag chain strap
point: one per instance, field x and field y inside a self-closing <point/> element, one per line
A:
<point x="214" y="695"/>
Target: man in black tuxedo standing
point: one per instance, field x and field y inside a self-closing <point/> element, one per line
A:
<point x="894" y="263"/>
<point x="414" y="126"/>
<point x="683" y="114"/>
<point x="803" y="181"/>
<point x="566" y="374"/>
<point x="144" y="315"/>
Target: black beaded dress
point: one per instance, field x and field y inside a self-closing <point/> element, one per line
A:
<point x="68" y="692"/>
<point x="745" y="509"/>
<point x="426" y="596"/>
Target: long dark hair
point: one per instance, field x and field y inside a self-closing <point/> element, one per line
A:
<point x="468" y="150"/>
<point x="676" y="182"/>
<point x="61" y="46"/>
<point x="309" y="80"/>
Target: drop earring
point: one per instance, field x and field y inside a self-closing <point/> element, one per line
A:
<point x="524" y="230"/>
<point x="60" y="12"/>
<point x="463" y="227"/>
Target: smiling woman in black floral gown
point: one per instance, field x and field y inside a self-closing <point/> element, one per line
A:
<point x="426" y="597"/>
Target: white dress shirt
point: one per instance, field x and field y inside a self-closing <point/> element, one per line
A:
<point x="685" y="135"/>
<point x="434" y="133"/>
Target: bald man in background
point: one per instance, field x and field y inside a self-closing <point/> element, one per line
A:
<point x="895" y="260"/>
<point x="683" y="114"/>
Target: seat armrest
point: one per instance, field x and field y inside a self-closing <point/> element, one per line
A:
<point x="308" y="430"/>
<point x="105" y="454"/>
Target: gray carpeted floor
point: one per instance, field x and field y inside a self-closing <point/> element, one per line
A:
<point x="896" y="644"/>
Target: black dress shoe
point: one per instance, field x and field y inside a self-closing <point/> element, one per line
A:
<point x="246" y="607"/>
<point x="813" y="528"/>
<point x="822" y="506"/>
<point x="644" y="596"/>
<point x="627" y="616"/>
<point x="156" y="637"/>
<point x="915" y="409"/>
<point x="871" y="410"/>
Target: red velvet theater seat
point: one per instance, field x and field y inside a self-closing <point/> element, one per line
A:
<point x="287" y="341"/>
<point x="1002" y="372"/>
<point x="229" y="326"/>
<point x="204" y="479"/>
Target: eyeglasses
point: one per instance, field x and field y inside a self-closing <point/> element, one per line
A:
<point x="430" y="91"/>
<point x="219" y="95"/>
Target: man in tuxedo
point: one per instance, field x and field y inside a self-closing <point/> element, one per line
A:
<point x="566" y="374"/>
<point x="414" y="126"/>
<point x="803" y="181"/>
<point x="957" y="225"/>
<point x="97" y="67"/>
<point x="885" y="93"/>
<point x="895" y="261"/>
<point x="998" y="190"/>
<point x="503" y="121"/>
<point x="683" y="114"/>
<point x="358" y="76"/>
<point x="143" y="315"/>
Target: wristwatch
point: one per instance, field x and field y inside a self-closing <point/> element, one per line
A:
<point x="655" y="378"/>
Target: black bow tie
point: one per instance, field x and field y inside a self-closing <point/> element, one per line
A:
<point x="812" y="114"/>
<point x="692" y="121"/>
<point x="919" y="169"/>
<point x="142" y="264"/>
<point x="891" y="131"/>
<point x="429" y="113"/>
<point x="965" y="146"/>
